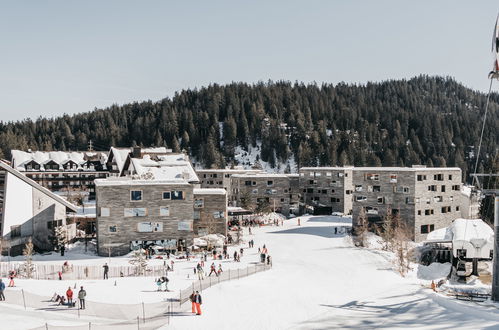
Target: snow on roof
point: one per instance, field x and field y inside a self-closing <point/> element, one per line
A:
<point x="119" y="156"/>
<point x="21" y="158"/>
<point x="467" y="229"/>
<point x="167" y="167"/>
<point x="406" y="169"/>
<point x="463" y="230"/>
<point x="209" y="191"/>
<point x="158" y="150"/>
<point x="35" y="185"/>
<point x="132" y="181"/>
<point x="466" y="190"/>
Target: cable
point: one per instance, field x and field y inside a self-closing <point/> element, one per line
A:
<point x="483" y="129"/>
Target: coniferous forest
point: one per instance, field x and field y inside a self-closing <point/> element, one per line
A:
<point x="433" y="121"/>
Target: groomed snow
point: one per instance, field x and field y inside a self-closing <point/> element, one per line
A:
<point x="319" y="280"/>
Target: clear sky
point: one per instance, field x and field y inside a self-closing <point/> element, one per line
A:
<point x="72" y="56"/>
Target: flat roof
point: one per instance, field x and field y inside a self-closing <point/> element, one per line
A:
<point x="260" y="175"/>
<point x="234" y="170"/>
<point x="406" y="169"/>
<point x="127" y="181"/>
<point x="334" y="168"/>
<point x="209" y="191"/>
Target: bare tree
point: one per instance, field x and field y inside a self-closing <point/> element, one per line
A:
<point x="361" y="228"/>
<point x="27" y="269"/>
<point x="139" y="261"/>
<point x="401" y="246"/>
<point x="388" y="230"/>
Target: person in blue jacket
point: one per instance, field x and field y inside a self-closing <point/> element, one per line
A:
<point x="2" y="287"/>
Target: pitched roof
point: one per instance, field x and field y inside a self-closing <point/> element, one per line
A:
<point x="19" y="175"/>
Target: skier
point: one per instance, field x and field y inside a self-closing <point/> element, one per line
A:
<point x="235" y="255"/>
<point x="2" y="288"/>
<point x="81" y="296"/>
<point x="12" y="274"/>
<point x="197" y="301"/>
<point x="241" y="251"/>
<point x="213" y="269"/>
<point x="200" y="272"/>
<point x="159" y="283"/>
<point x="69" y="295"/>
<point x="220" y="271"/>
<point x="106" y="271"/>
<point x="165" y="280"/>
<point x="269" y="260"/>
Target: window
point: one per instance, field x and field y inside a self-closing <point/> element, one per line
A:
<point x="443" y="188"/>
<point x="348" y="192"/>
<point x="333" y="191"/>
<point x="405" y="190"/>
<point x="428" y="212"/>
<point x="253" y="183"/>
<point x="456" y="187"/>
<point x="360" y="198"/>
<point x="457" y="208"/>
<point x="317" y="173"/>
<point x="312" y="181"/>
<point x="451" y="198"/>
<point x="270" y="183"/>
<point x="149" y="227"/>
<point x="438" y="177"/>
<point x="450" y="176"/>
<point x="371" y="210"/>
<point x="112" y="229"/>
<point x="282" y="200"/>
<point x="373" y="177"/>
<point x="358" y="187"/>
<point x="135" y="212"/>
<point x="334" y="184"/>
<point x="177" y="195"/>
<point x="198" y="203"/>
<point x="197" y="215"/>
<point x="421" y="177"/>
<point x="340" y="175"/>
<point x="432" y="188"/>
<point x="218" y="214"/>
<point x="419" y="212"/>
<point x="254" y="191"/>
<point x="376" y="188"/>
<point x="310" y="190"/>
<point x="381" y="200"/>
<point x="268" y="191"/>
<point x="445" y="209"/>
<point x="324" y="191"/>
<point x="409" y="200"/>
<point x="104" y="211"/>
<point x="247" y="183"/>
<point x="164" y="211"/>
<point x="135" y="195"/>
<point x="438" y="199"/>
<point x="335" y="200"/>
<point x="393" y="178"/>
<point x="317" y="198"/>
<point x="417" y="200"/>
<point x="328" y="173"/>
<point x="425" y="229"/>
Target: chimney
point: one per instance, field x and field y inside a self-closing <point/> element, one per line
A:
<point x="136" y="153"/>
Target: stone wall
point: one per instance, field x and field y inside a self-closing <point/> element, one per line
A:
<point x="208" y="220"/>
<point x="117" y="197"/>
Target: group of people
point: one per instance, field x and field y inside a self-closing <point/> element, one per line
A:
<point x="68" y="298"/>
<point x="251" y="243"/>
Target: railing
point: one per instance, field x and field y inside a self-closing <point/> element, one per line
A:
<point x="79" y="272"/>
<point x="229" y="275"/>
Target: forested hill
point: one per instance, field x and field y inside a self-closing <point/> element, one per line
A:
<point x="425" y="120"/>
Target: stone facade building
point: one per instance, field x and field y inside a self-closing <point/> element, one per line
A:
<point x="133" y="213"/>
<point x="220" y="178"/>
<point x="327" y="189"/>
<point x="275" y="191"/>
<point x="210" y="211"/>
<point x="425" y="198"/>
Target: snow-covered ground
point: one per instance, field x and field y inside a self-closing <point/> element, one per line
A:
<point x="319" y="280"/>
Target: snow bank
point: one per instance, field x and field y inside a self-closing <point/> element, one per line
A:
<point x="434" y="271"/>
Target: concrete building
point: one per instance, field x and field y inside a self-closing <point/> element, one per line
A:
<point x="210" y="211"/>
<point x="425" y="198"/>
<point x="28" y="210"/>
<point x="272" y="191"/>
<point x="220" y="178"/>
<point x="327" y="189"/>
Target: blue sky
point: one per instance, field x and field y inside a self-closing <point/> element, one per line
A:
<point x="61" y="57"/>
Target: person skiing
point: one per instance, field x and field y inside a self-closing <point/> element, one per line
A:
<point x="213" y="269"/>
<point x="81" y="296"/>
<point x="220" y="271"/>
<point x="12" y="274"/>
<point x="159" y="283"/>
<point x="165" y="280"/>
<point x="198" y="301"/>
<point x="69" y="295"/>
<point x="241" y="250"/>
<point x="2" y="288"/>
<point x="200" y="272"/>
<point x="106" y="271"/>
<point x="235" y="255"/>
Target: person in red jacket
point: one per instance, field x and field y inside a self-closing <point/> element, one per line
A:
<point x="69" y="295"/>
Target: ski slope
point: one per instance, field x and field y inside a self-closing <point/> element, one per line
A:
<point x="321" y="281"/>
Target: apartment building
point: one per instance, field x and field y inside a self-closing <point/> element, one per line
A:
<point x="62" y="171"/>
<point x="425" y="198"/>
<point x="210" y="211"/>
<point x="220" y="178"/>
<point x="327" y="189"/>
<point x="275" y="191"/>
